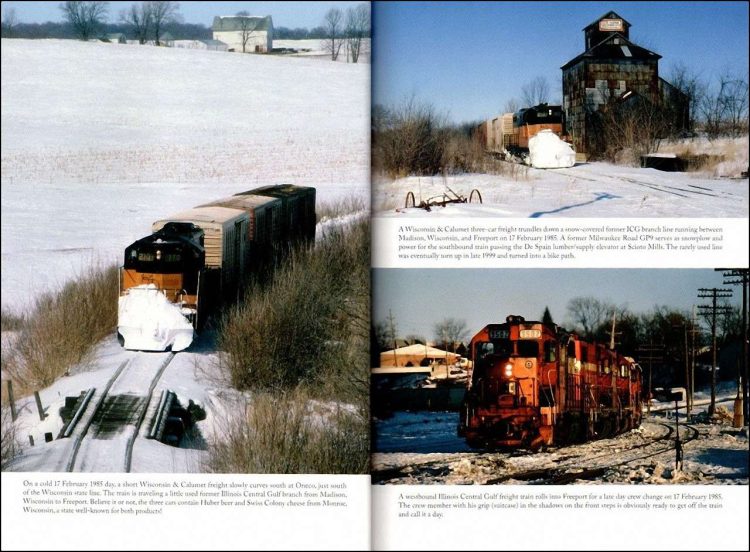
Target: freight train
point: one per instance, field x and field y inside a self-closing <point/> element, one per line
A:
<point x="510" y="133"/>
<point x="535" y="384"/>
<point x="195" y="260"/>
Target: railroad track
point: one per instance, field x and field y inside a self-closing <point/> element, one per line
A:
<point x="566" y="470"/>
<point x="571" y="470"/>
<point x="111" y="419"/>
<point x="665" y="188"/>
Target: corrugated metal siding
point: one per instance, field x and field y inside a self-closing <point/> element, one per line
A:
<point x="298" y="209"/>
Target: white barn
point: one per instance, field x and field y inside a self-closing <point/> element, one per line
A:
<point x="256" y="31"/>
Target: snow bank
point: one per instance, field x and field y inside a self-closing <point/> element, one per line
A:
<point x="547" y="151"/>
<point x="147" y="321"/>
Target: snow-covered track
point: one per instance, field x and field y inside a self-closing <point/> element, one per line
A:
<point x="680" y="191"/>
<point x="557" y="466"/>
<point x="112" y="426"/>
<point x="587" y="468"/>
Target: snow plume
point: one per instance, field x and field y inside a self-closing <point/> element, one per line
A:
<point x="149" y="322"/>
<point x="547" y="151"/>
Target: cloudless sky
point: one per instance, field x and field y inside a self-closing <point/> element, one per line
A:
<point x="469" y="58"/>
<point x="418" y="298"/>
<point x="285" y="14"/>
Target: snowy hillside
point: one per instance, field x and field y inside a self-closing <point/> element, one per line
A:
<point x="99" y="140"/>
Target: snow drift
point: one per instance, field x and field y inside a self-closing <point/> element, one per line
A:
<point x="147" y="321"/>
<point x="547" y="151"/>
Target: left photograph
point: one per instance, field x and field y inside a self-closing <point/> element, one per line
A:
<point x="185" y="237"/>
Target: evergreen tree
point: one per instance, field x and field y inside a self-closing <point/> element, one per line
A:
<point x="547" y="317"/>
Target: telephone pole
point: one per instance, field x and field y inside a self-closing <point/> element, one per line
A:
<point x="694" y="329"/>
<point x="741" y="277"/>
<point x="651" y="353"/>
<point x="713" y="310"/>
<point x="612" y="333"/>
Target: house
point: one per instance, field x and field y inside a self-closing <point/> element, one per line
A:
<point x="417" y="355"/>
<point x="612" y="69"/>
<point x="244" y="33"/>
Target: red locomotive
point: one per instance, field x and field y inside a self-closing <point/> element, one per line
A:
<point x="535" y="384"/>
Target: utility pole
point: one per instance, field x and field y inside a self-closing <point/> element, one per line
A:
<point x="712" y="310"/>
<point x="651" y="353"/>
<point x="612" y="333"/>
<point x="734" y="277"/>
<point x="694" y="329"/>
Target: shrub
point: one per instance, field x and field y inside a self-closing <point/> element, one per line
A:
<point x="286" y="433"/>
<point x="11" y="321"/>
<point x="309" y="325"/>
<point x="63" y="327"/>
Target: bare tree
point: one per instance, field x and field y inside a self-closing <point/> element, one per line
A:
<point x="85" y="17"/>
<point x="10" y="22"/>
<point x="247" y="26"/>
<point x="587" y="314"/>
<point x="511" y="106"/>
<point x="690" y="84"/>
<point x="162" y="12"/>
<point x="357" y="28"/>
<point x="725" y="110"/>
<point x="334" y="29"/>
<point x="535" y="92"/>
<point x="139" y="18"/>
<point x="449" y="332"/>
<point x="734" y="101"/>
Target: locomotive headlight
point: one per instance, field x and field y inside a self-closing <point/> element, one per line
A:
<point x="508" y="370"/>
<point x="158" y="254"/>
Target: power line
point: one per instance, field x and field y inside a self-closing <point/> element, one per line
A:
<point x="734" y="277"/>
<point x="713" y="310"/>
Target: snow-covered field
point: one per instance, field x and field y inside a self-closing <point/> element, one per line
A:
<point x="99" y="140"/>
<point x="316" y="48"/>
<point x="594" y="189"/>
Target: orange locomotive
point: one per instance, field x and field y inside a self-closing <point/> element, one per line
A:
<point x="535" y="384"/>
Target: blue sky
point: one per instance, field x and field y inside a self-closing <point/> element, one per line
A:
<point x="469" y="58"/>
<point x="420" y="298"/>
<point x="285" y="14"/>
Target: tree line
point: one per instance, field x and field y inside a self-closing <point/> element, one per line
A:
<point x="672" y="332"/>
<point x="87" y="20"/>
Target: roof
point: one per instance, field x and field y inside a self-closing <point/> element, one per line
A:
<point x="211" y="42"/>
<point x="203" y="215"/>
<point x="235" y="22"/>
<point x="608" y="49"/>
<point x="244" y="202"/>
<point x="608" y="15"/>
<point x="418" y="349"/>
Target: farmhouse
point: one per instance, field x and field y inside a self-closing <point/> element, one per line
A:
<point x="244" y="33"/>
<point x="613" y="71"/>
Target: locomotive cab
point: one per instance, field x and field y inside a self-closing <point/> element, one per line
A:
<point x="502" y="408"/>
<point x="160" y="284"/>
<point x="176" y="250"/>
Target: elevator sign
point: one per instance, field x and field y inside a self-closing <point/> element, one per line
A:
<point x="611" y="25"/>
